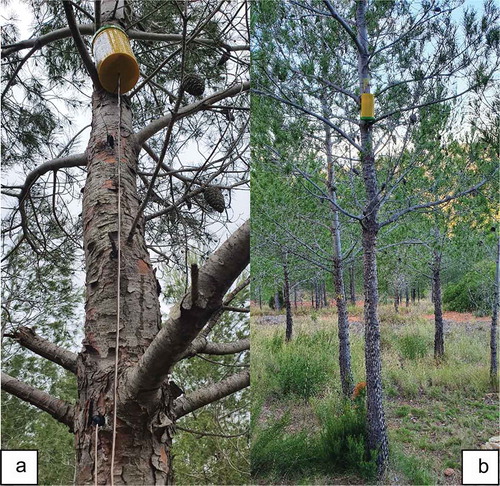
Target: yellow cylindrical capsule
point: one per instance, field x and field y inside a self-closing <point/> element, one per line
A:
<point x="114" y="58"/>
<point x="367" y="106"/>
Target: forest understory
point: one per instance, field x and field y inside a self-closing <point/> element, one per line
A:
<point x="433" y="410"/>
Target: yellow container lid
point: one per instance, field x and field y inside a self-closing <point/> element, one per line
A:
<point x="114" y="58"/>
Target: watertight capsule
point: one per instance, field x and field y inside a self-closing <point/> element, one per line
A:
<point x="114" y="58"/>
<point x="367" y="106"/>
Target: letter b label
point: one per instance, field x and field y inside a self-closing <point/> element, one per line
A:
<point x="480" y="467"/>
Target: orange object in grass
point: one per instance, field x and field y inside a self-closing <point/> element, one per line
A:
<point x="358" y="389"/>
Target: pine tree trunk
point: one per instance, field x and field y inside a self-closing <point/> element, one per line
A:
<point x="142" y="451"/>
<point x="438" y="309"/>
<point x="295" y="297"/>
<point x="407" y="296"/>
<point x="352" y="285"/>
<point x="396" y="299"/>
<point x="494" y="324"/>
<point x="377" y="430"/>
<point x="277" y="304"/>
<point x="413" y="296"/>
<point x="346" y="377"/>
<point x="288" y="306"/>
<point x="260" y="297"/>
<point x="325" y="298"/>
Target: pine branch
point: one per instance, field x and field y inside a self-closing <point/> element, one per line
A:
<point x="59" y="409"/>
<point x="187" y="319"/>
<point x="199" y="398"/>
<point x="438" y="202"/>
<point x="27" y="338"/>
<point x="228" y="299"/>
<point x="201" y="345"/>
<point x="345" y="26"/>
<point x="84" y="54"/>
<point x="88" y="29"/>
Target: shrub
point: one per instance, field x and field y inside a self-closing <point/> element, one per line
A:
<point x="472" y="293"/>
<point x="343" y="439"/>
<point x="413" y="346"/>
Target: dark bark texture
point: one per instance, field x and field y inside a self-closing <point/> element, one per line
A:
<point x="494" y="324"/>
<point x="377" y="430"/>
<point x="288" y="305"/>
<point x="438" y="307"/>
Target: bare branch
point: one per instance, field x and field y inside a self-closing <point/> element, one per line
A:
<point x="210" y="434"/>
<point x="201" y="345"/>
<point x="217" y="315"/>
<point x="187" y="318"/>
<point x="160" y="123"/>
<point x="27" y="338"/>
<point x="59" y="409"/>
<point x="199" y="398"/>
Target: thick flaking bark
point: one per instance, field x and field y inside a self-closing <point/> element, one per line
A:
<point x="188" y="318"/>
<point x="28" y="338"/>
<point x="59" y="409"/>
<point x="193" y="401"/>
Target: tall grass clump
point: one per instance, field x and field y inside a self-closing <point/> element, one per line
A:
<point x="298" y="374"/>
<point x="302" y="367"/>
<point x="277" y="453"/>
<point x="413" y="346"/>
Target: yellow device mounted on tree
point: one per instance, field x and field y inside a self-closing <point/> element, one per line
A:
<point x="367" y="106"/>
<point x="114" y="57"/>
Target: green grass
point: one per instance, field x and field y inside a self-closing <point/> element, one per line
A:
<point x="433" y="410"/>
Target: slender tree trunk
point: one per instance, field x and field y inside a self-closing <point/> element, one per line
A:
<point x="377" y="430"/>
<point x="438" y="310"/>
<point x="413" y="295"/>
<point x="352" y="285"/>
<point x="325" y="297"/>
<point x="143" y="452"/>
<point x="346" y="377"/>
<point x="494" y="324"/>
<point x="407" y="296"/>
<point x="260" y="297"/>
<point x="288" y="306"/>
<point x="312" y="297"/>
<point x="396" y="299"/>
<point x="277" y="304"/>
<point x="295" y="297"/>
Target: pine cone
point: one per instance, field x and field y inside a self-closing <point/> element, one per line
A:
<point x="193" y="84"/>
<point x="214" y="198"/>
